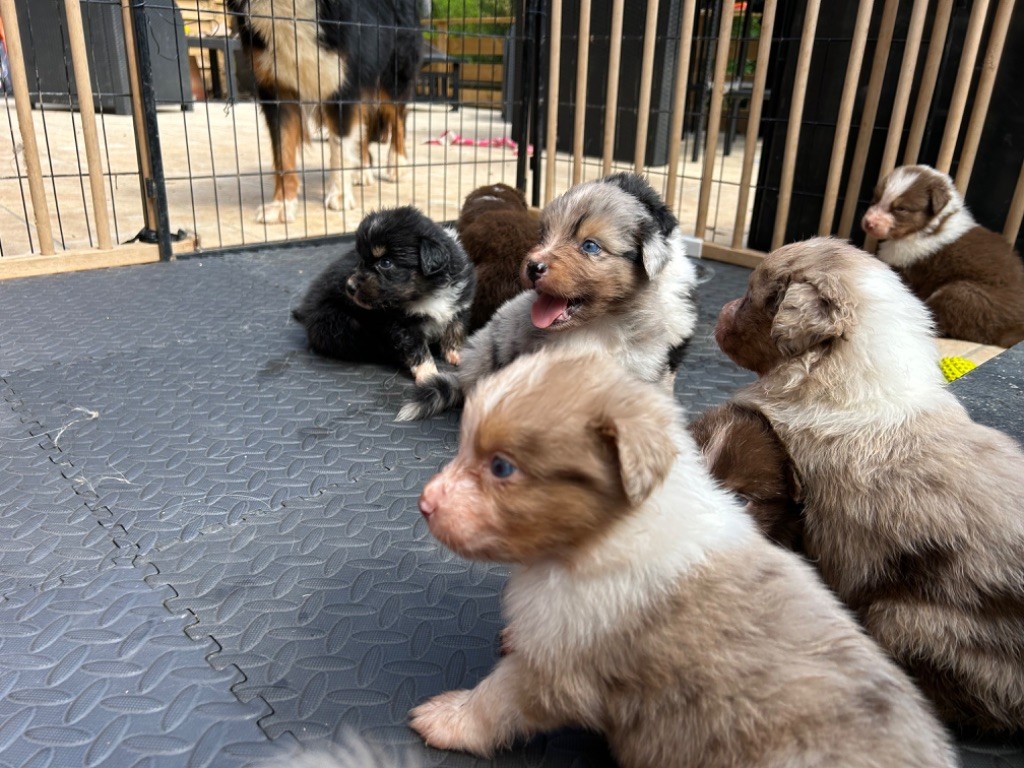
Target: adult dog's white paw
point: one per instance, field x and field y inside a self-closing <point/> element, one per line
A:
<point x="365" y="177"/>
<point x="278" y="211"/>
<point x="340" y="199"/>
<point x="449" y="722"/>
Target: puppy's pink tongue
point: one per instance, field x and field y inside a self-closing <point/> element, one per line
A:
<point x="546" y="309"/>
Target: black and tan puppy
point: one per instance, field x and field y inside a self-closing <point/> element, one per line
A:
<point x="498" y="230"/>
<point x="913" y="513"/>
<point x="406" y="285"/>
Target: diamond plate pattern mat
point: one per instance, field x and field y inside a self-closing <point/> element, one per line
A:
<point x="172" y="424"/>
<point x="99" y="673"/>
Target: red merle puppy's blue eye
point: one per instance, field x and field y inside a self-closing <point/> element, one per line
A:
<point x="502" y="467"/>
<point x="590" y="247"/>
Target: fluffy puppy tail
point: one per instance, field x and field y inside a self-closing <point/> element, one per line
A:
<point x="440" y="393"/>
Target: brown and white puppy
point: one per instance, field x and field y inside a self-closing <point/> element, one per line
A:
<point x="969" y="276"/>
<point x="497" y="230"/>
<point x="744" y="454"/>
<point x="913" y="513"/>
<point x="610" y="273"/>
<point x="645" y="604"/>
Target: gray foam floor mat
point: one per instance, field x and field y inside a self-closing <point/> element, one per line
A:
<point x="210" y="544"/>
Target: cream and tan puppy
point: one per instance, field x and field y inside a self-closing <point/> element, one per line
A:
<point x="913" y="513"/>
<point x="646" y="604"/>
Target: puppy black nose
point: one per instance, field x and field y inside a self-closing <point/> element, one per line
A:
<point x="534" y="270"/>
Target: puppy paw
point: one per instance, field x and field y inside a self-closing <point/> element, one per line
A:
<point x="448" y="721"/>
<point x="424" y="371"/>
<point x="277" y="212"/>
<point x="453" y="356"/>
<point x="340" y="200"/>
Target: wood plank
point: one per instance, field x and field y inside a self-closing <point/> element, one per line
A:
<point x="15" y="267"/>
<point x="551" y="127"/>
<point x="481" y="73"/>
<point x="646" y="81"/>
<point x="459" y="45"/>
<point x="962" y="87"/>
<point x="743" y="257"/>
<point x="929" y="77"/>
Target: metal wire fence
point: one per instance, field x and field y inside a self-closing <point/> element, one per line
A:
<point x="158" y="127"/>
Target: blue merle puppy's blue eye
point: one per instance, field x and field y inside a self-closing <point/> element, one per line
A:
<point x="590" y="247"/>
<point x="502" y="467"/>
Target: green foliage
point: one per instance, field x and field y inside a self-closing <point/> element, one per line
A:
<point x="470" y="9"/>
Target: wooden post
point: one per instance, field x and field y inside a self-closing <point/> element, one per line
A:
<point x="611" y="98"/>
<point x="958" y="101"/>
<point x="714" y="116"/>
<point x="754" y="119"/>
<point x="983" y="93"/>
<point x="901" y="101"/>
<point x="582" y="64"/>
<point x="796" y="112"/>
<point x="551" y="139"/>
<point x="643" y="117"/>
<point x="675" y="131"/>
<point x="138" y="119"/>
<point x="22" y="103"/>
<point x="930" y="75"/>
<point x="1016" y="212"/>
<point x="842" y="136"/>
<point x="83" y="84"/>
<point x="867" y="121"/>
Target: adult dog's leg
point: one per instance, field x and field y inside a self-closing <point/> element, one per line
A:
<point x="287" y="129"/>
<point x="397" y="160"/>
<point x="339" y="188"/>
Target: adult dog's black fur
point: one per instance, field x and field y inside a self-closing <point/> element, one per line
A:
<point x="405" y="286"/>
<point x="356" y="61"/>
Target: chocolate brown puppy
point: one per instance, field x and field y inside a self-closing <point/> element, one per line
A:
<point x="913" y="513"/>
<point x="969" y="276"/>
<point x="497" y="231"/>
<point x="744" y="454"/>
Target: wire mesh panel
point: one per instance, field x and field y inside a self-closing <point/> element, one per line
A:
<point x="222" y="123"/>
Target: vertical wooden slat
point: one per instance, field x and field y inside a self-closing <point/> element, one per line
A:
<point x="19" y="83"/>
<point x="796" y="112"/>
<point x="138" y="120"/>
<point x="1016" y="212"/>
<point x="611" y="98"/>
<point x="930" y="75"/>
<point x="682" y="75"/>
<point x="842" y="136"/>
<point x="764" y="47"/>
<point x="714" y="117"/>
<point x="580" y="117"/>
<point x="958" y="101"/>
<point x="646" y="79"/>
<point x="551" y="138"/>
<point x="867" y="121"/>
<point x="983" y="93"/>
<point x="901" y="101"/>
<point x="83" y="84"/>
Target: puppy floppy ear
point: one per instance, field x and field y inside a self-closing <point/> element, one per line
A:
<point x="643" y="450"/>
<point x="938" y="197"/>
<point x="433" y="256"/>
<point x="810" y="314"/>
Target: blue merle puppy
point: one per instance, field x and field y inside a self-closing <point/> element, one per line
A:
<point x="610" y="273"/>
<point x="406" y="286"/>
